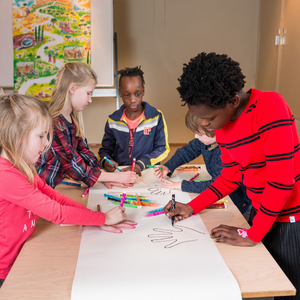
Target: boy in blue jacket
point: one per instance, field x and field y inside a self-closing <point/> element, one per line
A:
<point x="135" y="131"/>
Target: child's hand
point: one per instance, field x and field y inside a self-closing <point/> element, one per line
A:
<point x="127" y="177"/>
<point x="115" y="228"/>
<point x="110" y="184"/>
<point x="160" y="174"/>
<point x="109" y="167"/>
<point x="115" y="216"/>
<point x="137" y="169"/>
<point x="229" y="234"/>
<point x="172" y="185"/>
<point x="181" y="211"/>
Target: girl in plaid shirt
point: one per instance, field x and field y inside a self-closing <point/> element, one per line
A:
<point x="69" y="153"/>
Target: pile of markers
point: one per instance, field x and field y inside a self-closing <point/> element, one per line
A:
<point x="189" y="168"/>
<point x="134" y="201"/>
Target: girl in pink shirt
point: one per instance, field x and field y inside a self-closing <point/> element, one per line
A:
<point x="25" y="132"/>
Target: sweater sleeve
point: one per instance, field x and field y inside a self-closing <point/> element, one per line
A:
<point x="59" y="209"/>
<point x="55" y="195"/>
<point x="161" y="147"/>
<point x="225" y="184"/>
<point x="184" y="155"/>
<point x="280" y="165"/>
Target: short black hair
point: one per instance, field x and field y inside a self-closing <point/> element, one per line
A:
<point x="131" y="72"/>
<point x="210" y="79"/>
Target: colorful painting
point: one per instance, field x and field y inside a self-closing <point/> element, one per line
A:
<point x="46" y="35"/>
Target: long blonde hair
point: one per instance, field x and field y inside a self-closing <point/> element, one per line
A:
<point x="194" y="124"/>
<point x="19" y="115"/>
<point x="73" y="72"/>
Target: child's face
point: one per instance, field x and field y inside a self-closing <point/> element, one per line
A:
<point x="131" y="91"/>
<point x="80" y="97"/>
<point x="206" y="140"/>
<point x="36" y="143"/>
<point x="213" y="118"/>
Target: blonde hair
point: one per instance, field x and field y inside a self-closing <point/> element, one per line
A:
<point x="194" y="124"/>
<point x="19" y="115"/>
<point x="73" y="72"/>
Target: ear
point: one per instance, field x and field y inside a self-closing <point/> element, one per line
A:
<point x="143" y="91"/>
<point x="72" y="88"/>
<point x="235" y="101"/>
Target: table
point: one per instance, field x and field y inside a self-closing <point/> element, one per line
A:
<point x="46" y="265"/>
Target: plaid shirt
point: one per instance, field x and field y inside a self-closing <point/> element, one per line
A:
<point x="68" y="155"/>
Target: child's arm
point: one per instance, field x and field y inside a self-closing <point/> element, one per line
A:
<point x="62" y="157"/>
<point x="184" y="155"/>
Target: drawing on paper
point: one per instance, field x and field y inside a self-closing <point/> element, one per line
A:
<point x="158" y="190"/>
<point x="46" y="35"/>
<point x="172" y="236"/>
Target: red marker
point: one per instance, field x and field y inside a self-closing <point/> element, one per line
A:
<point x="194" y="177"/>
<point x="133" y="163"/>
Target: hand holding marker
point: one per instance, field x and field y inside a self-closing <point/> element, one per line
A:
<point x="111" y="163"/>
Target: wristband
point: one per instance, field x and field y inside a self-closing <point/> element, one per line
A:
<point x="242" y="232"/>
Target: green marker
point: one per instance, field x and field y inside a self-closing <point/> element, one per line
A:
<point x="200" y="180"/>
<point x="154" y="167"/>
<point x="126" y="204"/>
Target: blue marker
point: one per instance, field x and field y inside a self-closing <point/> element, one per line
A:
<point x="71" y="183"/>
<point x="111" y="163"/>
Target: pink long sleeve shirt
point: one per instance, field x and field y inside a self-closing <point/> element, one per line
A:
<point x="21" y="204"/>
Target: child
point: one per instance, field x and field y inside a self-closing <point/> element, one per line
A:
<point x="69" y="153"/>
<point x="25" y="125"/>
<point x="248" y="127"/>
<point x="136" y="130"/>
<point x="205" y="144"/>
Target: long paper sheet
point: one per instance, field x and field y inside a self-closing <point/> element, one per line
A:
<point x="154" y="260"/>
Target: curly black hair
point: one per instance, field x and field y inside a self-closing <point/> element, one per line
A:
<point x="131" y="72"/>
<point x="210" y="79"/>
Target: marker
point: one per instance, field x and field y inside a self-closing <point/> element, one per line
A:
<point x="188" y="169"/>
<point x="133" y="163"/>
<point x="111" y="163"/>
<point x="138" y="201"/>
<point x="154" y="167"/>
<point x="71" y="183"/>
<point x="123" y="199"/>
<point x="86" y="191"/>
<point x="156" y="210"/>
<point x="200" y="180"/>
<point x="173" y="207"/>
<point x="194" y="177"/>
<point x="155" y="214"/>
<point x="126" y="204"/>
<point x="144" y="203"/>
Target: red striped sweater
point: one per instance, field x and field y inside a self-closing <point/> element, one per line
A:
<point x="260" y="148"/>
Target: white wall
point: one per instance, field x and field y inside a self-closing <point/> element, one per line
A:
<point x="162" y="35"/>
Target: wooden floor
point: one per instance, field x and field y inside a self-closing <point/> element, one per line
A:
<point x="173" y="148"/>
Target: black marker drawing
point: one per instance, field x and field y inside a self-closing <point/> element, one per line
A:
<point x="158" y="191"/>
<point x="167" y="235"/>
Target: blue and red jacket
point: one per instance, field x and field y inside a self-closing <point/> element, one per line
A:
<point x="150" y="142"/>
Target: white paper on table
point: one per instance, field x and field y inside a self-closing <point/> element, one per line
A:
<point x="152" y="260"/>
